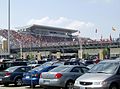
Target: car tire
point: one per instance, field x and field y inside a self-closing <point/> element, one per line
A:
<point x="6" y="84"/>
<point x="113" y="86"/>
<point x="18" y="82"/>
<point x="69" y="85"/>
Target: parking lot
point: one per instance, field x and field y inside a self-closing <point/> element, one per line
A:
<point x="14" y="87"/>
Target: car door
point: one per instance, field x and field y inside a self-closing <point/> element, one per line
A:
<point x="20" y="71"/>
<point x="116" y="77"/>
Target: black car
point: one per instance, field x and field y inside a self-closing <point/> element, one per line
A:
<point x="6" y="64"/>
<point x="13" y="75"/>
<point x="74" y="63"/>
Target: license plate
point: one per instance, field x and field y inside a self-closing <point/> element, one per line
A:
<point x="27" y="76"/>
<point x="46" y="81"/>
<point x="82" y="87"/>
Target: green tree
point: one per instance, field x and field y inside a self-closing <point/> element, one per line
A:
<point x="106" y="52"/>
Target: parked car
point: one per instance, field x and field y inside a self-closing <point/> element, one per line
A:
<point x="31" y="78"/>
<point x="3" y="63"/>
<point x="33" y="65"/>
<point x="74" y="63"/>
<point x="56" y="63"/>
<point x="88" y="62"/>
<point x="104" y="75"/>
<point x="8" y="64"/>
<point x="13" y="75"/>
<point x="62" y="76"/>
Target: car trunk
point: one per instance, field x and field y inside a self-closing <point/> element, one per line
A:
<point x="49" y="75"/>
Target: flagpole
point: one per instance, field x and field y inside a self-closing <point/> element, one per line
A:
<point x="8" y="27"/>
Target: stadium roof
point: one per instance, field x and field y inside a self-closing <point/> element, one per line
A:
<point x="49" y="28"/>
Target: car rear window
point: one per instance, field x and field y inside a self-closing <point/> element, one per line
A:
<point x="60" y="69"/>
<point x="11" y="69"/>
<point x="46" y="64"/>
<point x="39" y="68"/>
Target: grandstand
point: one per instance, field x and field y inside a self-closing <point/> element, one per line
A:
<point x="47" y="38"/>
<point x="37" y="36"/>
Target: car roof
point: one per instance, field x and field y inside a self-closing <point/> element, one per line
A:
<point x="71" y="66"/>
<point x="19" y="66"/>
<point x="112" y="60"/>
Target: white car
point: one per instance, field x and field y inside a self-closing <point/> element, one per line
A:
<point x="104" y="75"/>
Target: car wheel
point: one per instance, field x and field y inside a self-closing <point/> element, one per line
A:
<point x="69" y="85"/>
<point x="18" y="82"/>
<point x="5" y="84"/>
<point x="113" y="86"/>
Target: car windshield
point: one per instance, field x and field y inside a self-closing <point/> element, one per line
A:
<point x="60" y="69"/>
<point x="105" y="67"/>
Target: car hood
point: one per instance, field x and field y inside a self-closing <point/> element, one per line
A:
<point x="93" y="77"/>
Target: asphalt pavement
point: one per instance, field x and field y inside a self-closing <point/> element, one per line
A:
<point x="21" y="87"/>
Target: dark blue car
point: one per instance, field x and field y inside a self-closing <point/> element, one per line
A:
<point x="31" y="78"/>
<point x="13" y="75"/>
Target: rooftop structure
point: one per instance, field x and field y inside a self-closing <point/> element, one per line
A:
<point x="46" y="31"/>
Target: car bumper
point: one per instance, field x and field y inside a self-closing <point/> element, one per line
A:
<point x="52" y="82"/>
<point x="34" y="81"/>
<point x="0" y="80"/>
<point x="79" y="87"/>
<point x="7" y="80"/>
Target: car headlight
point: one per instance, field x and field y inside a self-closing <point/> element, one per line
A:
<point x="104" y="83"/>
<point x="100" y="83"/>
<point x="97" y="83"/>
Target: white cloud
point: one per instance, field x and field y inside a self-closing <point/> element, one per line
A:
<point x="48" y="21"/>
<point x="86" y="28"/>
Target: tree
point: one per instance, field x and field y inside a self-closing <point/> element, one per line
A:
<point x="106" y="53"/>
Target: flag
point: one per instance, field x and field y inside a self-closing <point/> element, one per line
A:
<point x="110" y="38"/>
<point x="113" y="29"/>
<point x="95" y="30"/>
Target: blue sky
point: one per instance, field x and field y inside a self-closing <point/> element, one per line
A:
<point x="83" y="15"/>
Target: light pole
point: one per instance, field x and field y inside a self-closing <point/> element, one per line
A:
<point x="80" y="46"/>
<point x="8" y="27"/>
<point x="80" y="51"/>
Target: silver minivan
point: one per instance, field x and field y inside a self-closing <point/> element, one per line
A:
<point x="104" y="75"/>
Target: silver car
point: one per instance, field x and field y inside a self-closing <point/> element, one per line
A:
<point x="62" y="76"/>
<point x="104" y="75"/>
